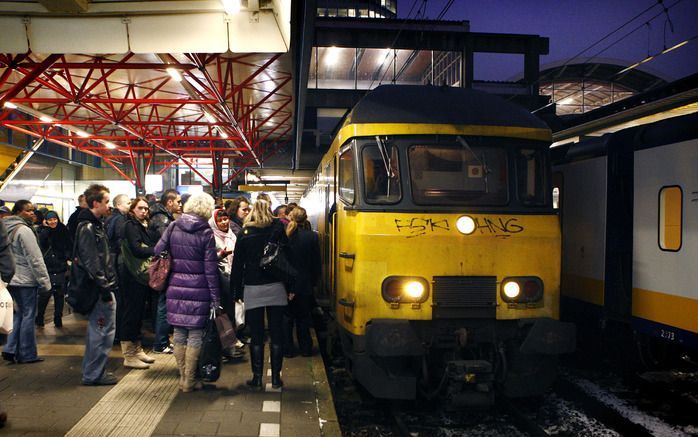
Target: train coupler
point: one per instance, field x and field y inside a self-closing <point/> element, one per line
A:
<point x="470" y="383"/>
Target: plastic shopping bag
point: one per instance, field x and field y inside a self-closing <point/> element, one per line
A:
<point x="6" y="309"/>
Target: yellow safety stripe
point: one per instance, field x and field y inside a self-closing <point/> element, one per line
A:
<point x="665" y="308"/>
<point x="583" y="288"/>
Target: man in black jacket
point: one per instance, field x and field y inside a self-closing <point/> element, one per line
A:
<point x="73" y="219"/>
<point x="92" y="252"/>
<point x="7" y="271"/>
<point x="161" y="215"/>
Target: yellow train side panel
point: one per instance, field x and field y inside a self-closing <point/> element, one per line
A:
<point x="428" y="245"/>
<point x="583" y="288"/>
<point x="678" y="311"/>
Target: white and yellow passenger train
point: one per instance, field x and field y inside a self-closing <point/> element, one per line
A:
<point x="440" y="245"/>
<point x="629" y="211"/>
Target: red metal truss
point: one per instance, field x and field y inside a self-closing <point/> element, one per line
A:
<point x="166" y="108"/>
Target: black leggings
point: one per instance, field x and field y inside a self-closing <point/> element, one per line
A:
<point x="254" y="318"/>
<point x="133" y="295"/>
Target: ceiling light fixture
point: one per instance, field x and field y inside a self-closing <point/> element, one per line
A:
<point x="231" y="6"/>
<point x="209" y="117"/>
<point x="45" y="119"/>
<point x="82" y="133"/>
<point x="10" y="105"/>
<point x="110" y="145"/>
<point x="174" y="73"/>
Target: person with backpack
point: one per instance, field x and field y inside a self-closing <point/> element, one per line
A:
<point x="56" y="246"/>
<point x="31" y="277"/>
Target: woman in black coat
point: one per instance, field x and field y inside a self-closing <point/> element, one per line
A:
<point x="137" y="248"/>
<point x="56" y="246"/>
<point x="262" y="292"/>
<point x="305" y="256"/>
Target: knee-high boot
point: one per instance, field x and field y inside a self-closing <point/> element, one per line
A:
<point x="257" y="363"/>
<point x="277" y="360"/>
<point x="191" y="361"/>
<point x="180" y="351"/>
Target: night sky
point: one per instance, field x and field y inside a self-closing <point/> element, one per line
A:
<point x="572" y="26"/>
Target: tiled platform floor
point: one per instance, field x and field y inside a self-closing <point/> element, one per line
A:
<point x="46" y="399"/>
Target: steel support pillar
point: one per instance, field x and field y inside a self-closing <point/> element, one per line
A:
<point x="217" y="175"/>
<point x="140" y="178"/>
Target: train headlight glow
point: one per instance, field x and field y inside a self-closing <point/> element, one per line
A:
<point x="465" y="225"/>
<point x="414" y="290"/>
<point x="522" y="290"/>
<point x="405" y="289"/>
<point x="511" y="289"/>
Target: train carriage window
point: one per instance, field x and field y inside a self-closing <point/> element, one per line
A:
<point x="530" y="171"/>
<point x="379" y="186"/>
<point x="670" y="218"/>
<point x="346" y="176"/>
<point x="460" y="175"/>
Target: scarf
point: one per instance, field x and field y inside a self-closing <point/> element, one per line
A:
<point x="224" y="240"/>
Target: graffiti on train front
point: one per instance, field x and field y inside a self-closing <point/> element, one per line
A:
<point x="420" y="226"/>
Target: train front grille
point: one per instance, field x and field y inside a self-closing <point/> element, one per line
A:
<point x="464" y="297"/>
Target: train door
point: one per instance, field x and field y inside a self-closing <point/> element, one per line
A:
<point x="343" y="226"/>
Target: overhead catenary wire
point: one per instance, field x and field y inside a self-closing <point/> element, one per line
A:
<point x="665" y="10"/>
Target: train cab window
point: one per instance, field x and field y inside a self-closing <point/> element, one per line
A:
<point x="381" y="175"/>
<point x="346" y="176"/>
<point x="670" y="218"/>
<point x="458" y="175"/>
<point x="530" y="171"/>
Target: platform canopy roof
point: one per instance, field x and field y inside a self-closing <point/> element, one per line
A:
<point x="171" y="82"/>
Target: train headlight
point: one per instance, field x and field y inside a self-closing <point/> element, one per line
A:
<point x="522" y="289"/>
<point x="511" y="289"/>
<point x="465" y="225"/>
<point x="405" y="289"/>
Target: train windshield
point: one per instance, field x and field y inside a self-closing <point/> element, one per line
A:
<point x="458" y="175"/>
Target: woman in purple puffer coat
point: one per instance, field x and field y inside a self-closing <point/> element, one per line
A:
<point x="193" y="287"/>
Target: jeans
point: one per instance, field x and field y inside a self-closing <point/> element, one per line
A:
<point x="22" y="339"/>
<point x="99" y="340"/>
<point x="188" y="337"/>
<point x="162" y="328"/>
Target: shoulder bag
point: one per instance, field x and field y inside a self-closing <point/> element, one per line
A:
<point x="137" y="267"/>
<point x="275" y="262"/>
<point x="81" y="294"/>
<point x="160" y="266"/>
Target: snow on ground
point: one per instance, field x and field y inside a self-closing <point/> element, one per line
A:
<point x="654" y="425"/>
<point x="560" y="417"/>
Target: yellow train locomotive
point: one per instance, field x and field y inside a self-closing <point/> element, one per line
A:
<point x="441" y="249"/>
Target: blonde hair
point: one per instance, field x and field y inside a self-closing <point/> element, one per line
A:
<point x="200" y="204"/>
<point x="298" y="219"/>
<point x="260" y="216"/>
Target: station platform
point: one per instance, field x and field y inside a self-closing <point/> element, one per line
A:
<point x="47" y="398"/>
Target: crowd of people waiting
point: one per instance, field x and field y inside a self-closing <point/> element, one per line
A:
<point x="215" y="253"/>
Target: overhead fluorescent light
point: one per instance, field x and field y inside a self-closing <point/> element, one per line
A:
<point x="10" y="105"/>
<point x="174" y="73"/>
<point x="682" y="43"/>
<point x="209" y="117"/>
<point x="82" y="133"/>
<point x="231" y="6"/>
<point x="45" y="119"/>
<point x="110" y="145"/>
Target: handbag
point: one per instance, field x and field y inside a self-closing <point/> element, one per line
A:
<point x="210" y="357"/>
<point x="239" y="313"/>
<point x="6" y="309"/>
<point x="226" y="332"/>
<point x="159" y="271"/>
<point x="275" y="262"/>
<point x="137" y="267"/>
<point x="82" y="293"/>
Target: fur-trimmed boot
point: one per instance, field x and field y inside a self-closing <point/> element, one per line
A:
<point x="191" y="361"/>
<point x="141" y="355"/>
<point x="180" y="351"/>
<point x="257" y="363"/>
<point x="277" y="360"/>
<point x="128" y="348"/>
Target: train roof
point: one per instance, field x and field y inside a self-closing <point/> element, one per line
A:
<point x="439" y="105"/>
<point x="659" y="133"/>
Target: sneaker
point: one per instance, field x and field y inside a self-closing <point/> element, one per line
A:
<point x="107" y="379"/>
<point x="167" y="350"/>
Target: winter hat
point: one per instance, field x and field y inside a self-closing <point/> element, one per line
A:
<point x="52" y="214"/>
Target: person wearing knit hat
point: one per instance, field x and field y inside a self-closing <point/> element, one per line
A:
<point x="56" y="245"/>
<point x="4" y="211"/>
